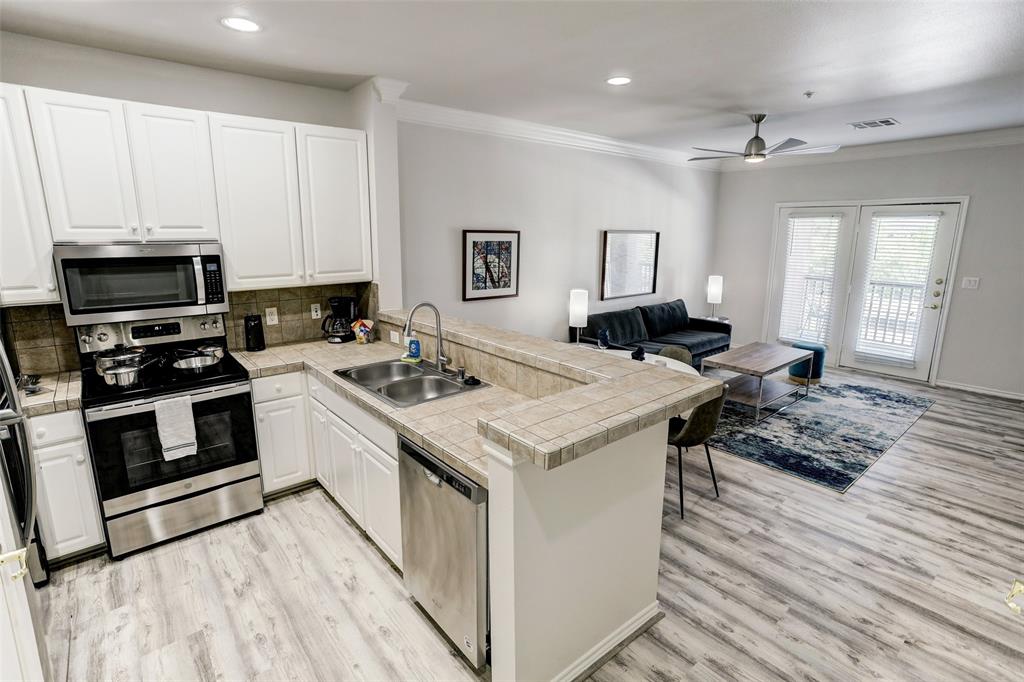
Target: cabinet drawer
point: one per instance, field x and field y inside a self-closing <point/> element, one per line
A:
<point x="279" y="386"/>
<point x="59" y="427"/>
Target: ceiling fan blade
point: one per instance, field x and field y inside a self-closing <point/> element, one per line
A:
<point x="827" y="149"/>
<point x="706" y="158"/>
<point x="784" y="145"/>
<point x="718" y="151"/>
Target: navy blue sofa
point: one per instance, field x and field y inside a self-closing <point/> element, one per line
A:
<point x="655" y="326"/>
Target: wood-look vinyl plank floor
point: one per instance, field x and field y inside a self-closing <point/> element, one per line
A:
<point x="900" y="578"/>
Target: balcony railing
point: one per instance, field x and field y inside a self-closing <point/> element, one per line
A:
<point x="890" y="318"/>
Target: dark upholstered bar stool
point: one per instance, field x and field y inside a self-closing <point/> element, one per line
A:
<point x="695" y="431"/>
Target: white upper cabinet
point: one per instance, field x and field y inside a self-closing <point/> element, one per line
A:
<point x="335" y="193"/>
<point x="26" y="247"/>
<point x="173" y="173"/>
<point x="82" y="145"/>
<point x="258" y="201"/>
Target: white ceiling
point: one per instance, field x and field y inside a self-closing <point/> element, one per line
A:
<point x="698" y="67"/>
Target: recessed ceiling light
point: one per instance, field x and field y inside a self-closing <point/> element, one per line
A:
<point x="619" y="80"/>
<point x="240" y="24"/>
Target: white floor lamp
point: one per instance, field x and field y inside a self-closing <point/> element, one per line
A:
<point x="578" y="311"/>
<point x="715" y="286"/>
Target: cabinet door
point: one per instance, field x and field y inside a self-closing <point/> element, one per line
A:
<point x="69" y="514"/>
<point x="324" y="467"/>
<point x="346" y="457"/>
<point x="26" y="247"/>
<point x="82" y="145"/>
<point x="335" y="194"/>
<point x="173" y="166"/>
<point x="258" y="201"/>
<point x="284" y="443"/>
<point x="381" y="501"/>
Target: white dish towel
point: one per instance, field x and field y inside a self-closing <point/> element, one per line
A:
<point x="176" y="427"/>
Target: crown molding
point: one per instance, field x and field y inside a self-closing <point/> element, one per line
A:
<point x="389" y="90"/>
<point x="1002" y="137"/>
<point x="515" y="129"/>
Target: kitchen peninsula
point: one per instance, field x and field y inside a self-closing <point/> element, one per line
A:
<point x="570" y="443"/>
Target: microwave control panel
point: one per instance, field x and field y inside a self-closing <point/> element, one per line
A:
<point x="214" y="278"/>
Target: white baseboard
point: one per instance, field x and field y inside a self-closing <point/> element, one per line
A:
<point x="980" y="389"/>
<point x="612" y="640"/>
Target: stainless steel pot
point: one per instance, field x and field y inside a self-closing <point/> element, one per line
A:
<point x="196" y="363"/>
<point x="117" y="356"/>
<point x="125" y="375"/>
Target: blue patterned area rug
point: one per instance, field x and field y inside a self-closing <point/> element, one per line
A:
<point x="831" y="438"/>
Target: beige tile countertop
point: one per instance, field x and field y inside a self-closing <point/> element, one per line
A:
<point x="59" y="392"/>
<point x="614" y="398"/>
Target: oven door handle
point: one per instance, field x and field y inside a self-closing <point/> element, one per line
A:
<point x="102" y="413"/>
<point x="197" y="265"/>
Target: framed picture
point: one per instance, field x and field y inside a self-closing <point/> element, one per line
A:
<point x="629" y="263"/>
<point x="490" y="264"/>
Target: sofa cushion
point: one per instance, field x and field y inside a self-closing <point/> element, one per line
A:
<point x="625" y="327"/>
<point x="696" y="342"/>
<point x="665" y="318"/>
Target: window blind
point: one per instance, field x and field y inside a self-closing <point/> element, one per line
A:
<point x="808" y="294"/>
<point x="895" y="276"/>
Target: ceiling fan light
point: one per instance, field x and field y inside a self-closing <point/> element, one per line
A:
<point x="754" y="158"/>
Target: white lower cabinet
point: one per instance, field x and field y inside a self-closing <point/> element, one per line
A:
<point x="382" y="508"/>
<point x="281" y="429"/>
<point x="356" y="463"/>
<point x="69" y="513"/>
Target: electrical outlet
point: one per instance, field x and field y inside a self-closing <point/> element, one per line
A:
<point x="314" y="311"/>
<point x="970" y="283"/>
<point x="394" y="337"/>
<point x="271" y="315"/>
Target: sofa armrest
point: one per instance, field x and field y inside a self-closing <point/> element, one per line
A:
<point x="702" y="324"/>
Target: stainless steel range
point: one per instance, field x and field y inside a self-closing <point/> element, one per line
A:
<point x="149" y="495"/>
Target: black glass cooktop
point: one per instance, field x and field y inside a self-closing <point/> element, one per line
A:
<point x="159" y="377"/>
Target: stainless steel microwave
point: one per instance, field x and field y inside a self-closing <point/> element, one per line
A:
<point x="127" y="282"/>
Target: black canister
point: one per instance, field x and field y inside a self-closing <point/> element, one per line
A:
<point x="253" y="327"/>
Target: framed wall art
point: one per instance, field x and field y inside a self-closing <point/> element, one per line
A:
<point x="629" y="263"/>
<point x="490" y="264"/>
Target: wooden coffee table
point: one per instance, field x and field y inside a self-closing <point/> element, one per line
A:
<point x="754" y="362"/>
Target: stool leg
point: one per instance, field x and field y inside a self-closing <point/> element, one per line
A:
<point x="712" y="468"/>
<point x="679" y="463"/>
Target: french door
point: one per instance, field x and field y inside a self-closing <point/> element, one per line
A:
<point x="867" y="280"/>
<point x="898" y="288"/>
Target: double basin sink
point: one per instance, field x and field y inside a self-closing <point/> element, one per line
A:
<point x="404" y="384"/>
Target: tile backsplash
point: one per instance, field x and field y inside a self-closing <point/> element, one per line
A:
<point x="292" y="303"/>
<point x="42" y="342"/>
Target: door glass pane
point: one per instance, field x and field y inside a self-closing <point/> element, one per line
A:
<point x="808" y="292"/>
<point x="895" y="277"/>
<point x="129" y="283"/>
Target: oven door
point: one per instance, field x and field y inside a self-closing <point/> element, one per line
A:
<point x="131" y="472"/>
<point x="123" y="283"/>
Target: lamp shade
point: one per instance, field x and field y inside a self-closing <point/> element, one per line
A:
<point x="715" y="286"/>
<point x="578" y="307"/>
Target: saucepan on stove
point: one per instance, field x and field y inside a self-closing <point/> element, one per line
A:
<point x="197" y="360"/>
<point x="125" y="375"/>
<point x="120" y="366"/>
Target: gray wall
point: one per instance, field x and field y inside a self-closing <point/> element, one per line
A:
<point x="25" y="60"/>
<point x="560" y="199"/>
<point x="984" y="342"/>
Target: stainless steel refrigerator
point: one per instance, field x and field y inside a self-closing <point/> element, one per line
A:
<point x="22" y="561"/>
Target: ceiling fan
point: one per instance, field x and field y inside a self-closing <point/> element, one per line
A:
<point x="756" y="152"/>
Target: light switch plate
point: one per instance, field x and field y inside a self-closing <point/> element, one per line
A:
<point x="314" y="311"/>
<point x="970" y="283"/>
<point x="394" y="337"/>
<point x="271" y="315"/>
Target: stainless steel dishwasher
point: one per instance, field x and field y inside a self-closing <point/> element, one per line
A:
<point x="444" y="548"/>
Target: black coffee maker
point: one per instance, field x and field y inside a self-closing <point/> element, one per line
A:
<point x="337" y="326"/>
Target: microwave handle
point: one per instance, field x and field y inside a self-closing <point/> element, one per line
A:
<point x="103" y="413"/>
<point x="197" y="264"/>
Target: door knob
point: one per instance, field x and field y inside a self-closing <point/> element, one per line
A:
<point x="149" y="228"/>
<point x="933" y="306"/>
<point x="40" y="433"/>
<point x="80" y="458"/>
<point x="936" y="293"/>
<point x="262" y="418"/>
<point x="939" y="280"/>
<point x="135" y="228"/>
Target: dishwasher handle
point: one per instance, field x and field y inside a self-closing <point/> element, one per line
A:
<point x="440" y="474"/>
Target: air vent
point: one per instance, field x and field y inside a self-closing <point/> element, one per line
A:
<point x="875" y="123"/>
